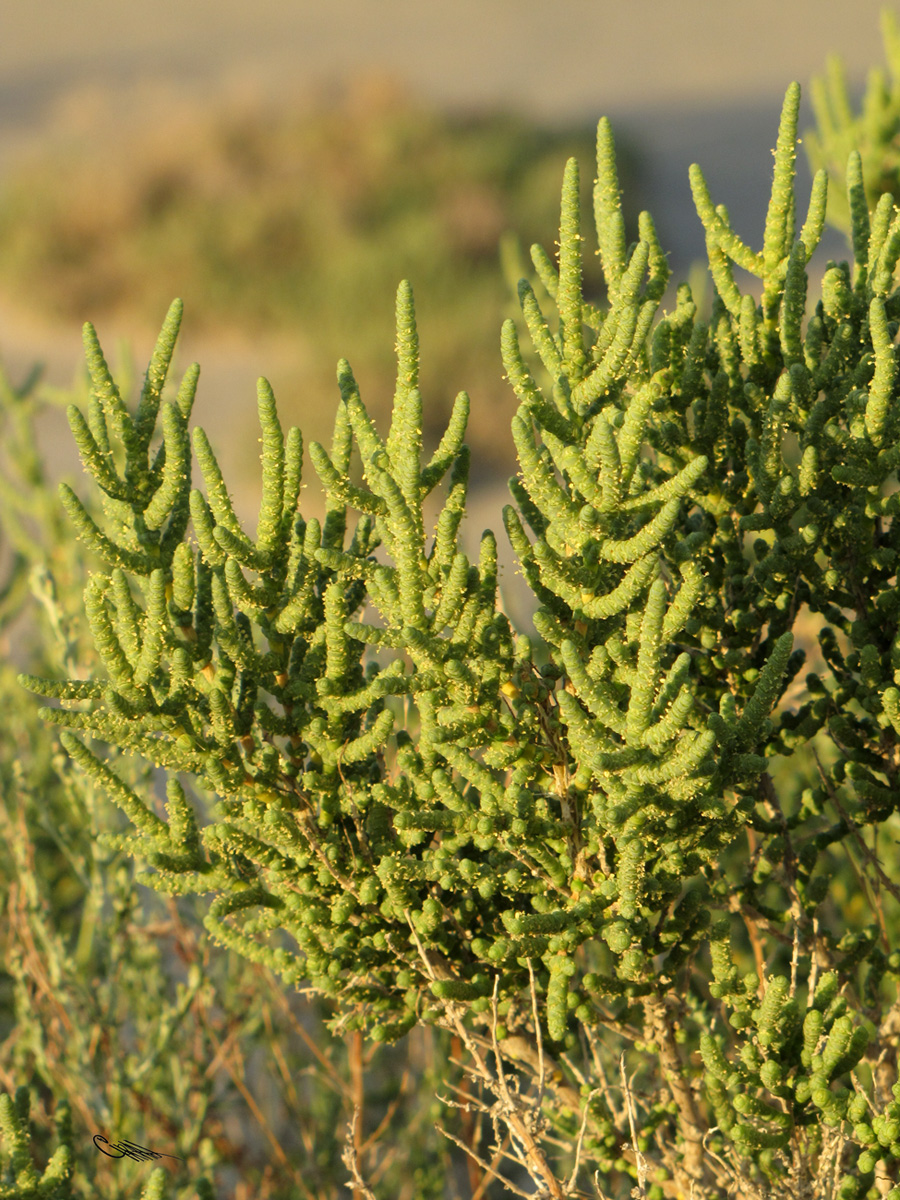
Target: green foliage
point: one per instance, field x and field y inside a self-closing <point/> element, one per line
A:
<point x="111" y="1005"/>
<point x="871" y="132"/>
<point x="20" y="1179"/>
<point x="560" y="846"/>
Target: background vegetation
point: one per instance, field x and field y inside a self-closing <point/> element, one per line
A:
<point x="300" y="222"/>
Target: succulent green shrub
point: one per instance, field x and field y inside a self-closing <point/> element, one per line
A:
<point x="568" y="846"/>
<point x="113" y="1004"/>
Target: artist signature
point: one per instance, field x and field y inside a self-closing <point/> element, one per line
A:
<point x="129" y="1150"/>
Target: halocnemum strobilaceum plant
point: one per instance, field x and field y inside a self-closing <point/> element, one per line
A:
<point x="579" y="850"/>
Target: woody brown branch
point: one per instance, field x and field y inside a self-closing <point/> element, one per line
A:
<point x="660" y="1032"/>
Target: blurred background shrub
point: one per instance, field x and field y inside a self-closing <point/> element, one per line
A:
<point x="300" y="220"/>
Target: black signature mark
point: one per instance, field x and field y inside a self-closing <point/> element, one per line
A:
<point x="129" y="1150"/>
